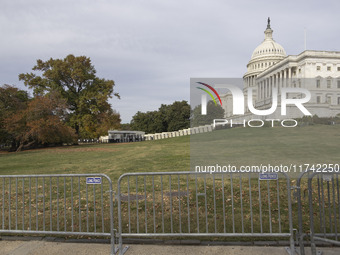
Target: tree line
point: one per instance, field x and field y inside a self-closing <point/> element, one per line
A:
<point x="174" y="117"/>
<point x="167" y="118"/>
<point x="69" y="102"/>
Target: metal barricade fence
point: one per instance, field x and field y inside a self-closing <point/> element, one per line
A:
<point x="189" y="204"/>
<point x="59" y="204"/>
<point x="303" y="207"/>
<point x="324" y="208"/>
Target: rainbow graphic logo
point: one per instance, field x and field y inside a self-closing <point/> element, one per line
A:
<point x="204" y="98"/>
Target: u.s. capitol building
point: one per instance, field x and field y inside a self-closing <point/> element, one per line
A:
<point x="271" y="69"/>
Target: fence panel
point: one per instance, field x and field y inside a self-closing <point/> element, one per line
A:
<point x="324" y="208"/>
<point x="303" y="208"/>
<point x="178" y="204"/>
<point x="65" y="204"/>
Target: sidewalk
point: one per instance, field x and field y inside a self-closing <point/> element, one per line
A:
<point x="34" y="247"/>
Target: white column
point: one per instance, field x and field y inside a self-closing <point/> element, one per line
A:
<point x="268" y="86"/>
<point x="284" y="82"/>
<point x="278" y="82"/>
<point x="264" y="88"/>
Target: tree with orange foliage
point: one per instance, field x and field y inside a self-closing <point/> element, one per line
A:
<point x="12" y="100"/>
<point x="41" y="123"/>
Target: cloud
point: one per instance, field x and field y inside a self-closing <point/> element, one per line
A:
<point x="152" y="48"/>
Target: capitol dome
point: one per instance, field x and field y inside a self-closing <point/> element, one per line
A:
<point x="268" y="48"/>
<point x="265" y="55"/>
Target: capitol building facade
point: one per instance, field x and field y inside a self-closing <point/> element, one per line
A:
<point x="271" y="69"/>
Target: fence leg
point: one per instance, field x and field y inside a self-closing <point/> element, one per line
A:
<point x="120" y="238"/>
<point x="310" y="200"/>
<point x="292" y="248"/>
<point x="300" y="231"/>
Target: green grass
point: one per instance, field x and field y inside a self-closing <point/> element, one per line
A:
<point x="238" y="146"/>
<point x="110" y="159"/>
<point x="275" y="146"/>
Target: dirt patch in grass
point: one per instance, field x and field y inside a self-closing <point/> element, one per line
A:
<point x="75" y="148"/>
<point x="80" y="149"/>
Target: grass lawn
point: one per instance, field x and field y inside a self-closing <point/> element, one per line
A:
<point x="245" y="146"/>
<point x="110" y="159"/>
<point x="275" y="146"/>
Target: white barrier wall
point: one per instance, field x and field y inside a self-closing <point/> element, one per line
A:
<point x="183" y="132"/>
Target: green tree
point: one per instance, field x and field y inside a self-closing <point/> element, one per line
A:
<point x="139" y="122"/>
<point x="125" y="126"/>
<point x="149" y="122"/>
<point x="178" y="116"/>
<point x="75" y="79"/>
<point x="168" y="118"/>
<point x="213" y="112"/>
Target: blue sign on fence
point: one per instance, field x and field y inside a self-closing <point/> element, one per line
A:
<point x="93" y="180"/>
<point x="268" y="176"/>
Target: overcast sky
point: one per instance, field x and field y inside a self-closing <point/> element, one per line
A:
<point x="152" y="48"/>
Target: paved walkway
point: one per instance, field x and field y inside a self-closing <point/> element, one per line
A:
<point x="64" y="248"/>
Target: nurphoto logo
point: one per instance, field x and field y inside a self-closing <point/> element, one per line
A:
<point x="238" y="100"/>
<point x="238" y="105"/>
<point x="204" y="97"/>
